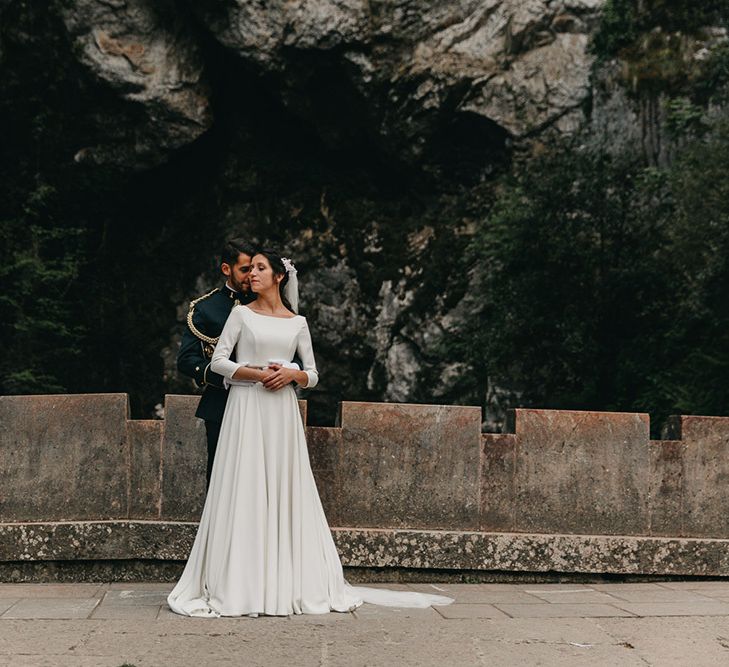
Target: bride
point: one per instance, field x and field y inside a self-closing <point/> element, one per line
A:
<point x="263" y="545"/>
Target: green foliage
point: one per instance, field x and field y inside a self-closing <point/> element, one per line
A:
<point x="660" y="62"/>
<point x="699" y="244"/>
<point x="619" y="27"/>
<point x="604" y="284"/>
<point x="62" y="326"/>
<point x="684" y="117"/>
<point x="657" y="42"/>
<point x="712" y="86"/>
<point x="39" y="264"/>
<point x="626" y="21"/>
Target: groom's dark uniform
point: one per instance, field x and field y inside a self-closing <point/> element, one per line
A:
<point x="205" y="321"/>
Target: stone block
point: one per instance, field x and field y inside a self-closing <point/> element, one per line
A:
<point x="325" y="450"/>
<point x="96" y="540"/>
<point x="498" y="462"/>
<point x="325" y="447"/>
<point x="705" y="474"/>
<point x="184" y="460"/>
<point x="581" y="472"/>
<point x="63" y="457"/>
<point x="409" y="465"/>
<point x="145" y="468"/>
<point x="667" y="487"/>
<point x="514" y="552"/>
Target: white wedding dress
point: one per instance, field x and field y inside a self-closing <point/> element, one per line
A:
<point x="263" y="545"/>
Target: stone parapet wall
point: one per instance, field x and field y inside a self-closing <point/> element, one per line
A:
<point x="599" y="473"/>
<point x="414" y="486"/>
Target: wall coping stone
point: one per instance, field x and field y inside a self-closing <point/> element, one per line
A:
<point x="388" y="548"/>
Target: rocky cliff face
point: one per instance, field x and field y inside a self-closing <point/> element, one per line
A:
<point x="423" y="101"/>
<point x="416" y="76"/>
<point x="360" y="136"/>
<point x="147" y="54"/>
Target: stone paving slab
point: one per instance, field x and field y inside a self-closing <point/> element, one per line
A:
<point x="695" y="585"/>
<point x="457" y="610"/>
<point x="373" y="611"/>
<point x="409" y="643"/>
<point x="579" y="596"/>
<point x="561" y="610"/>
<point x="614" y="588"/>
<point x="6" y="603"/>
<point x="710" y="608"/>
<point x="664" y="595"/>
<point x="551" y="655"/>
<point x="52" y="590"/>
<point x="674" y="642"/>
<point x="253" y="642"/>
<point x="133" y="597"/>
<point x="166" y="614"/>
<point x="478" y="593"/>
<point x="109" y="612"/>
<point x="141" y="586"/>
<point x="30" y="660"/>
<point x="555" y="631"/>
<point x="23" y="637"/>
<point x="131" y="623"/>
<point x="318" y="620"/>
<point x="552" y="587"/>
<point x="48" y="608"/>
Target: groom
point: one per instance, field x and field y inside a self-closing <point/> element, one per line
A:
<point x="205" y="321"/>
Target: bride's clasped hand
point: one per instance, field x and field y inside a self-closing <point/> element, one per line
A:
<point x="263" y="545"/>
<point x="276" y="377"/>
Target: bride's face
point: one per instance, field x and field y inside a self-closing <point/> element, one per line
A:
<point x="262" y="276"/>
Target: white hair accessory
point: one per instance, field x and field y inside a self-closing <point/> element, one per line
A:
<point x="291" y="290"/>
<point x="288" y="265"/>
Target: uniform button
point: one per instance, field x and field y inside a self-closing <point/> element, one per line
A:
<point x="197" y="368"/>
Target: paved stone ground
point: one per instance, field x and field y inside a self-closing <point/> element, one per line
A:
<point x="669" y="623"/>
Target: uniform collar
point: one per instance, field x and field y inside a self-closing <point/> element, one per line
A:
<point x="242" y="297"/>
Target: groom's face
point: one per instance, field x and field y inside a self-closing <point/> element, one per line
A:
<point x="239" y="274"/>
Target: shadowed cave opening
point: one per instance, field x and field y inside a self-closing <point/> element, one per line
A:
<point x="276" y="156"/>
<point x="467" y="147"/>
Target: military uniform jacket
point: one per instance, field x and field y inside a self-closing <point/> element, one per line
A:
<point x="205" y="321"/>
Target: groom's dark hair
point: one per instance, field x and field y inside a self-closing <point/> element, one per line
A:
<point x="233" y="248"/>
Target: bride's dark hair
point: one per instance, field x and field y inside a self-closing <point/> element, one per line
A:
<point x="278" y="268"/>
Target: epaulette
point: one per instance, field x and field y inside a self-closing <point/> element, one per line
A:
<point x="207" y="340"/>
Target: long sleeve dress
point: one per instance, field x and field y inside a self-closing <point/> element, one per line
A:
<point x="263" y="545"/>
